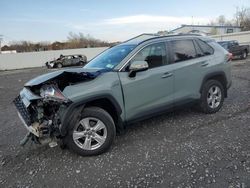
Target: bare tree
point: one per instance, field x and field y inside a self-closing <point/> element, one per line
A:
<point x="221" y="20"/>
<point x="242" y="18"/>
<point x="83" y="41"/>
<point x="73" y="41"/>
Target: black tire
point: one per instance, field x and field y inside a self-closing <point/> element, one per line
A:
<point x="91" y="112"/>
<point x="59" y="65"/>
<point x="204" y="105"/>
<point x="81" y="63"/>
<point x="244" y="54"/>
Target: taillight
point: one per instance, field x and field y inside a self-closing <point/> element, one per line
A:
<point x="229" y="57"/>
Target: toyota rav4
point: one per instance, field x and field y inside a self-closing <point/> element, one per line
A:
<point x="84" y="108"/>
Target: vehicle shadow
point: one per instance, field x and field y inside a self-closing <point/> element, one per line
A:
<point x="140" y="128"/>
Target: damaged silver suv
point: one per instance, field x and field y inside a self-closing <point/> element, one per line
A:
<point x="84" y="108"/>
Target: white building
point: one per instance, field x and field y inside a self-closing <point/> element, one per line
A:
<point x="8" y="52"/>
<point x="206" y="29"/>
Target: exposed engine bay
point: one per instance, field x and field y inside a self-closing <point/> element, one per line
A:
<point x="39" y="105"/>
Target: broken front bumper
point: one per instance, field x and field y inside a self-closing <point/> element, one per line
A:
<point x="24" y="115"/>
<point x="23" y="112"/>
<point x="49" y="65"/>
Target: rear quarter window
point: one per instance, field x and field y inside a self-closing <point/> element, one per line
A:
<point x="206" y="49"/>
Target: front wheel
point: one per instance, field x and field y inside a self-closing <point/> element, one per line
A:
<point x="92" y="133"/>
<point x="212" y="97"/>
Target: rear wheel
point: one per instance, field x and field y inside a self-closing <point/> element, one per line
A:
<point x="244" y="55"/>
<point x="212" y="97"/>
<point x="92" y="133"/>
<point x="59" y="65"/>
<point x="81" y="63"/>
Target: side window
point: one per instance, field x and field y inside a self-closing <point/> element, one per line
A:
<point x="236" y="43"/>
<point x="154" y="55"/>
<point x="183" y="50"/>
<point x="207" y="50"/>
<point x="230" y="30"/>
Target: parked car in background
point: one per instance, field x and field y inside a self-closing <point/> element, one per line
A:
<point x="68" y="60"/>
<point x="145" y="76"/>
<point x="236" y="49"/>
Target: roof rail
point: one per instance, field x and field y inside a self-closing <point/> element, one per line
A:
<point x="170" y="35"/>
<point x="150" y="36"/>
<point x="188" y="34"/>
<point x="146" y="34"/>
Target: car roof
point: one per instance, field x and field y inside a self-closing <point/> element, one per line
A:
<point x="151" y="37"/>
<point x="73" y="55"/>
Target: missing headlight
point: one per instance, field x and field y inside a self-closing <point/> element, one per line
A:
<point x="52" y="92"/>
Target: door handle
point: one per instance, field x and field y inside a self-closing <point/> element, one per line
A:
<point x="167" y="75"/>
<point x="204" y="64"/>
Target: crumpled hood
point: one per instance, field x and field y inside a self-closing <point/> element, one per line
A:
<point x="91" y="73"/>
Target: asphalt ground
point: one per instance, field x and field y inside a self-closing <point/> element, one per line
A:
<point x="183" y="148"/>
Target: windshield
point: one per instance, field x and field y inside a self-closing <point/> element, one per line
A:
<point x="111" y="57"/>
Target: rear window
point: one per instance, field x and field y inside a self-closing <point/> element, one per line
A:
<point x="206" y="49"/>
<point x="224" y="44"/>
<point x="183" y="50"/>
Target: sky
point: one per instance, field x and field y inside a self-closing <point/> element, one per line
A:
<point x="109" y="20"/>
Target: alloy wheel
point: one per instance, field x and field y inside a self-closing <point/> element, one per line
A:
<point x="214" y="97"/>
<point x="90" y="133"/>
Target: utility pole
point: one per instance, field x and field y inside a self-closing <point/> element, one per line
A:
<point x="1" y="38"/>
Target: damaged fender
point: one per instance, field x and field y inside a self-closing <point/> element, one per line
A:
<point x="77" y="107"/>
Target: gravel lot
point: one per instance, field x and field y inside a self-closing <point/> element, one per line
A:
<point x="184" y="148"/>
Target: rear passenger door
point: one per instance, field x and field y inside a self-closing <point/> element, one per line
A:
<point x="67" y="61"/>
<point x="189" y="63"/>
<point x="74" y="60"/>
<point x="231" y="48"/>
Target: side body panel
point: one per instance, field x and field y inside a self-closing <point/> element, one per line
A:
<point x="219" y="63"/>
<point x="189" y="75"/>
<point x="105" y="84"/>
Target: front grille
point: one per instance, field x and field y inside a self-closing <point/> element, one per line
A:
<point x="22" y="110"/>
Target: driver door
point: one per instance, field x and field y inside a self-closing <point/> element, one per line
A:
<point x="74" y="60"/>
<point x="149" y="91"/>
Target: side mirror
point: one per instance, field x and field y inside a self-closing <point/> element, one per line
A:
<point x="137" y="66"/>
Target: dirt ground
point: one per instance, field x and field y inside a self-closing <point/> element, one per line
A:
<point x="184" y="148"/>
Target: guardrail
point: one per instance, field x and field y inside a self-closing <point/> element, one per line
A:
<point x="38" y="59"/>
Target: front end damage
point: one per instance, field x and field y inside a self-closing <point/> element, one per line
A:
<point x="41" y="105"/>
<point x="50" y="64"/>
<point x="41" y="114"/>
